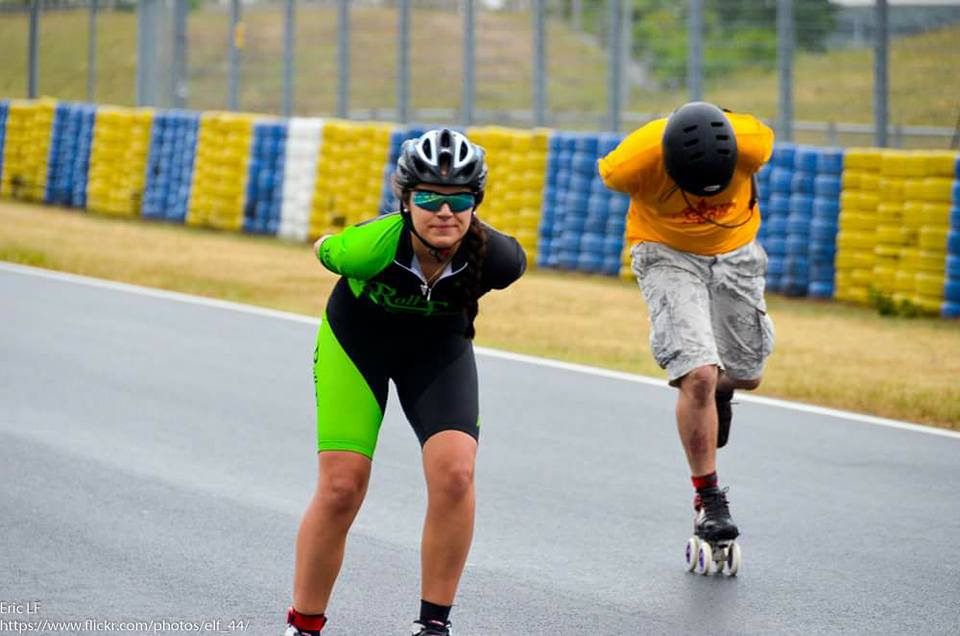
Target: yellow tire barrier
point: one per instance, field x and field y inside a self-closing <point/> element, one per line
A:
<point x="220" y="171"/>
<point x="118" y="161"/>
<point x="26" y="149"/>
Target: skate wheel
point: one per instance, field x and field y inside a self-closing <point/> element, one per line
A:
<point x="705" y="564"/>
<point x="733" y="559"/>
<point x="692" y="553"/>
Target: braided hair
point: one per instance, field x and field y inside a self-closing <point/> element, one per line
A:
<point x="475" y="244"/>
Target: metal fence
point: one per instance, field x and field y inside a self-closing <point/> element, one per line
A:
<point x="821" y="71"/>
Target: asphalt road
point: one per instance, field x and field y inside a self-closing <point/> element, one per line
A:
<point x="156" y="455"/>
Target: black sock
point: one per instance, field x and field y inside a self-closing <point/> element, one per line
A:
<point x="431" y="612"/>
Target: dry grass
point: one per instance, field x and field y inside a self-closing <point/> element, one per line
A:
<point x="827" y="354"/>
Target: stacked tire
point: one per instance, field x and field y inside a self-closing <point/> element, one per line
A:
<point x="4" y="110"/>
<point x="517" y="162"/>
<point x="26" y="149"/>
<point x="777" y="213"/>
<point x="264" y="196"/>
<point x="63" y="148"/>
<point x="935" y="191"/>
<point x="118" y="161"/>
<point x="304" y="142"/>
<point x="951" y="305"/>
<point x="388" y="200"/>
<point x="86" y="118"/>
<point x="221" y="169"/>
<point x="825" y="223"/>
<point x="857" y="236"/>
<point x="173" y="147"/>
<point x="547" y="254"/>
<point x="350" y="175"/>
<point x="796" y="266"/>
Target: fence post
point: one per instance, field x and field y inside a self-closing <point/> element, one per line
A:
<point x="614" y="64"/>
<point x="880" y="77"/>
<point x="289" y="44"/>
<point x="33" y="47"/>
<point x="469" y="62"/>
<point x="236" y="41"/>
<point x="539" y="64"/>
<point x="179" y="74"/>
<point x="785" y="52"/>
<point x="403" y="61"/>
<point x="92" y="52"/>
<point x="147" y="53"/>
<point x="343" y="59"/>
<point x="695" y="50"/>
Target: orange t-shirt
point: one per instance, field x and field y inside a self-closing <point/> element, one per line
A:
<point x="659" y="211"/>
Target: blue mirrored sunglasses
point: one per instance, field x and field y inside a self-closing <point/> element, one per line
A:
<point x="433" y="201"/>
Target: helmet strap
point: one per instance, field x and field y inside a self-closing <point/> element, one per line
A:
<point x="439" y="253"/>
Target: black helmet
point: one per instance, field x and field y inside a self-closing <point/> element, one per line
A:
<point x="441" y="157"/>
<point x="700" y="149"/>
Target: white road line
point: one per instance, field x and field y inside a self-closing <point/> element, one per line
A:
<point x="493" y="353"/>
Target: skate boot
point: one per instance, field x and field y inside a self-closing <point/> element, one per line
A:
<point x="431" y="628"/>
<point x="713" y="545"/>
<point x="724" y="416"/>
<point x="304" y="625"/>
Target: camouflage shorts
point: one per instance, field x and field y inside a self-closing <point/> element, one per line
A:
<point x="706" y="309"/>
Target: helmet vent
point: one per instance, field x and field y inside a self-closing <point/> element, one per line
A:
<point x="723" y="137"/>
<point x="723" y="151"/>
<point x="463" y="151"/>
<point x="689" y="129"/>
<point x="696" y="156"/>
<point x="690" y="143"/>
<point x="427" y="148"/>
<point x="717" y="124"/>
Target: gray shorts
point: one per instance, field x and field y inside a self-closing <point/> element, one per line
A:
<point x="706" y="310"/>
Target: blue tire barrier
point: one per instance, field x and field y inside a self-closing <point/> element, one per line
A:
<point x="569" y="241"/>
<point x="801" y="205"/>
<point x="798" y="226"/>
<point x="954" y="214"/>
<point x="598" y="204"/>
<point x="616" y="226"/>
<point x="775" y="246"/>
<point x="619" y="204"/>
<point x="822" y="273"/>
<point x="590" y="262"/>
<point x="579" y="185"/>
<point x="826" y="208"/>
<point x="953" y="241"/>
<point x="568" y="260"/>
<point x="595" y="224"/>
<point x="783" y="155"/>
<point x="797" y="266"/>
<point x="597" y="188"/>
<point x="953" y="266"/>
<point x="563" y="179"/>
<point x="794" y="287"/>
<point x="613" y="245"/>
<point x="779" y="204"/>
<point x="950" y="310"/>
<point x="781" y="181"/>
<point x="592" y="243"/>
<point x="806" y="158"/>
<point x="830" y="161"/>
<point x="611" y="265"/>
<point x="802" y="182"/>
<point x="776" y="226"/>
<point x="827" y="186"/>
<point x="951" y="291"/>
<point x="584" y="164"/>
<point x="824" y="230"/>
<point x="956" y="168"/>
<point x="587" y="143"/>
<point x="818" y="289"/>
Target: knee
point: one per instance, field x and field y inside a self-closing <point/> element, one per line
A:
<point x="700" y="384"/>
<point x="452" y="481"/>
<point x="748" y="385"/>
<point x="341" y="494"/>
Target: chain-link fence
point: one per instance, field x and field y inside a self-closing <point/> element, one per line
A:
<point x="813" y="67"/>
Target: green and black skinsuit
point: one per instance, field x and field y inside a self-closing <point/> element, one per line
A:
<point x="383" y="322"/>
